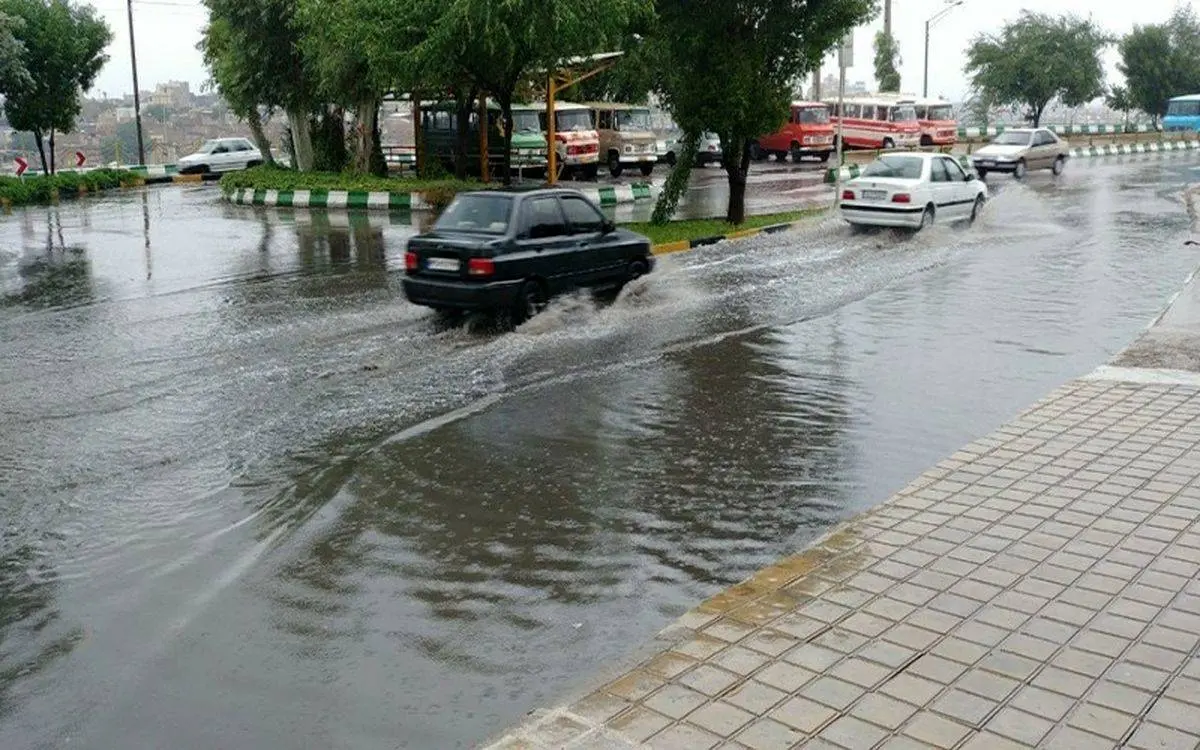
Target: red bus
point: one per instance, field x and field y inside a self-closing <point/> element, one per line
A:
<point x="877" y="121"/>
<point x="938" y="125"/>
<point x="807" y="132"/>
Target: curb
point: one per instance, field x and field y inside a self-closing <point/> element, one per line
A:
<point x="1059" y="129"/>
<point x="666" y="248"/>
<point x="608" y="195"/>
<point x="850" y="171"/>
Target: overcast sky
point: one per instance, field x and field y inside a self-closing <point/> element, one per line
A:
<point x="167" y="32"/>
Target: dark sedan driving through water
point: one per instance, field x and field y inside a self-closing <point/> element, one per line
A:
<point x="511" y="252"/>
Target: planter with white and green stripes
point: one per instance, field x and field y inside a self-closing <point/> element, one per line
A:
<point x="1060" y="129"/>
<point x="607" y="195"/>
<point x="1126" y="149"/>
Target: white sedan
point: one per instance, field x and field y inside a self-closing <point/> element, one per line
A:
<point x="912" y="190"/>
<point x="220" y="155"/>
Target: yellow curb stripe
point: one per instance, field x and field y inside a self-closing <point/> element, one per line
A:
<point x="666" y="248"/>
<point x="187" y="178"/>
<point x="743" y="234"/>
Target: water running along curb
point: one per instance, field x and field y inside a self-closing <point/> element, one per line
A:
<point x="850" y="171"/>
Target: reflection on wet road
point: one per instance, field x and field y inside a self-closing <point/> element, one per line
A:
<point x="252" y="498"/>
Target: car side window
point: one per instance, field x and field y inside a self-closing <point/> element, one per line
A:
<point x="1043" y="138"/>
<point x="544" y="218"/>
<point x="582" y="217"/>
<point x="953" y="170"/>
<point x="937" y="171"/>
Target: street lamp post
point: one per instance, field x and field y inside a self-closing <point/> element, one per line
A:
<point x="952" y="4"/>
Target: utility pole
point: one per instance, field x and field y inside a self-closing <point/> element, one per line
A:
<point x="887" y="17"/>
<point x="137" y="97"/>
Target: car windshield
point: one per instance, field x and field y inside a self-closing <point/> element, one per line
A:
<point x="476" y="213"/>
<point x="1184" y="108"/>
<point x="814" y="115"/>
<point x="940" y="112"/>
<point x="901" y="167"/>
<point x="902" y="114"/>
<point x="526" y="121"/>
<point x="633" y="119"/>
<point x="1013" y="138"/>
<point x="573" y="119"/>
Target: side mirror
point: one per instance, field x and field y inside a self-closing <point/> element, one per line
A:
<point x="607" y="227"/>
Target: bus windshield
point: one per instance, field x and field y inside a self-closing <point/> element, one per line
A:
<point x="940" y="112"/>
<point x="1184" y="108"/>
<point x="813" y="115"/>
<point x="573" y="119"/>
<point x="526" y="121"/>
<point x="905" y="113"/>
<point x="633" y="119"/>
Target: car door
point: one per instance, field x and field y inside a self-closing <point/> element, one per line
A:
<point x="1044" y="151"/>
<point x="942" y="190"/>
<point x="599" y="256"/>
<point x="218" y="160"/>
<point x="544" y="245"/>
<point x="964" y="188"/>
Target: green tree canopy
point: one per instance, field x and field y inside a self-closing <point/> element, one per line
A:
<point x="1039" y="58"/>
<point x="887" y="60"/>
<point x="1118" y="98"/>
<point x="1160" y="61"/>
<point x="63" y="50"/>
<point x="727" y="66"/>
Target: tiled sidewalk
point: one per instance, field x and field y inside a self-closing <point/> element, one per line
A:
<point x="1036" y="589"/>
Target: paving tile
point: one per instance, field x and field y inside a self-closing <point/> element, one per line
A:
<point x="768" y="734"/>
<point x="1151" y="736"/>
<point x="1161" y="659"/>
<point x="728" y="630"/>
<point x="935" y="731"/>
<point x="784" y="676"/>
<point x="708" y="679"/>
<point x="1083" y="662"/>
<point x="599" y="707"/>
<point x="1070" y="738"/>
<point x="739" y="660"/>
<point x="866" y="624"/>
<point x="1063" y="682"/>
<point x="638" y="723"/>
<point x="1138" y="676"/>
<point x="981" y="633"/>
<point x="839" y="639"/>
<point x="814" y="657"/>
<point x="987" y="684"/>
<point x="683" y="737"/>
<point x="670" y="664"/>
<point x="1184" y="689"/>
<point x="964" y="707"/>
<point x="861" y="672"/>
<point x="1105" y="722"/>
<point x="701" y="647"/>
<point x="798" y="626"/>
<point x="911" y="637"/>
<point x="1176" y="640"/>
<point x="803" y="714"/>
<point x="1176" y="715"/>
<point x="883" y="711"/>
<point x="755" y="697"/>
<point x="989" y="741"/>
<point x="1019" y="726"/>
<point x="635" y="685"/>
<point x="852" y="733"/>
<point x="1101" y="643"/>
<point x="1009" y="665"/>
<point x="958" y="650"/>
<point x="1029" y="647"/>
<point x="598" y="740"/>
<point x="558" y="731"/>
<point x="720" y="718"/>
<point x="912" y="689"/>
<point x="832" y="692"/>
<point x="1043" y="703"/>
<point x="675" y="701"/>
<point x="770" y="642"/>
<point x="1120" y="697"/>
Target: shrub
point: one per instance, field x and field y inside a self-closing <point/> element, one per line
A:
<point x="437" y="191"/>
<point x="42" y="189"/>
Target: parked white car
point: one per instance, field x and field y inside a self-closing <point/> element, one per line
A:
<point x="914" y="190"/>
<point x="221" y="155"/>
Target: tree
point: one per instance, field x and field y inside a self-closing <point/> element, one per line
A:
<point x="1119" y="100"/>
<point x="232" y="77"/>
<point x="120" y="147"/>
<point x="63" y="47"/>
<point x="887" y="60"/>
<point x="1039" y="58"/>
<point x="13" y="74"/>
<point x="500" y="44"/>
<point x="1160" y="61"/>
<point x="727" y="66"/>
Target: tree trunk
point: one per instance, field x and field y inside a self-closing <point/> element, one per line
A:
<point x="365" y="114"/>
<point x="378" y="162"/>
<point x="464" y="105"/>
<point x="1037" y="115"/>
<point x="737" y="167"/>
<point x="37" y="136"/>
<point x="53" y="167"/>
<point x="254" y="120"/>
<point x="302" y="144"/>
<point x="506" y="112"/>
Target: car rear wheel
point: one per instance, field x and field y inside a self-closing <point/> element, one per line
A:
<point x="253" y="163"/>
<point x="531" y="300"/>
<point x="637" y="269"/>
<point x="1020" y="170"/>
<point x="795" y="152"/>
<point x="888" y="143"/>
<point x="614" y="164"/>
<point x="926" y="218"/>
<point x="975" y="209"/>
<point x="1059" y="163"/>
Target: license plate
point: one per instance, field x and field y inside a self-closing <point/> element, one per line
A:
<point x="442" y="264"/>
<point x="874" y="195"/>
<point x="987" y="163"/>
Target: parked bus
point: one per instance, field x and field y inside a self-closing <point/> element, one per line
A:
<point x="936" y="117"/>
<point x="627" y="137"/>
<point x="439" y="129"/>
<point x="1183" y="113"/>
<point x="807" y="132"/>
<point x="877" y="121"/>
<point x="577" y="143"/>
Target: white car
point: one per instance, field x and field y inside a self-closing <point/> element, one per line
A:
<point x="912" y="189"/>
<point x="221" y="155"/>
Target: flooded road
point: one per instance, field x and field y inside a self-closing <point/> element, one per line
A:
<point x="251" y="498"/>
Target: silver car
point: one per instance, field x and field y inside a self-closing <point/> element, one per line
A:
<point x="708" y="151"/>
<point x="1019" y="150"/>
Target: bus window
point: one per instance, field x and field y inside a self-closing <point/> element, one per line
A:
<point x="1184" y="108"/>
<point x="881" y="114"/>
